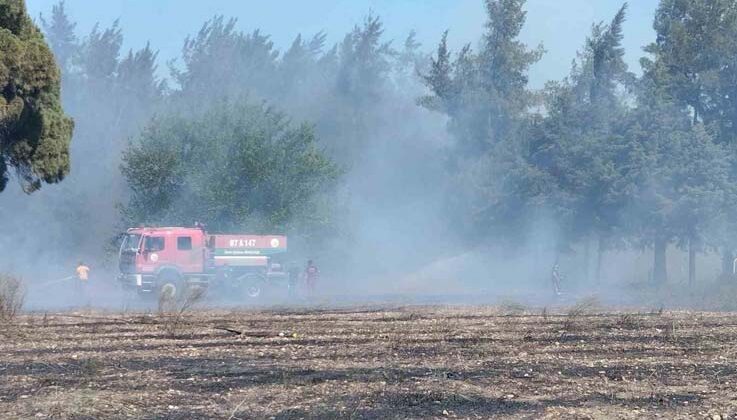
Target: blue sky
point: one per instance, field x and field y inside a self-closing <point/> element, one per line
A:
<point x="561" y="25"/>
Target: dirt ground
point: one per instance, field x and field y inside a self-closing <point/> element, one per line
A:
<point x="371" y="362"/>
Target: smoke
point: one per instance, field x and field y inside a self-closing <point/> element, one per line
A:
<point x="360" y="94"/>
<point x="393" y="232"/>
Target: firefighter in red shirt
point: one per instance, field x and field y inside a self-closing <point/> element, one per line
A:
<point x="312" y="273"/>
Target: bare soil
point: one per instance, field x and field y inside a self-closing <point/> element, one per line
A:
<point x="401" y="362"/>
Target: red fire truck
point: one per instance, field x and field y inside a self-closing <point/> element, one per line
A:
<point x="178" y="258"/>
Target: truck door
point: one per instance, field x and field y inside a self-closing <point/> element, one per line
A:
<point x="191" y="252"/>
<point x="155" y="252"/>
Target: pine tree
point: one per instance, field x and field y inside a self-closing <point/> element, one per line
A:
<point x="579" y="144"/>
<point x="298" y="65"/>
<point x="364" y="61"/>
<point x="691" y="52"/>
<point x="486" y="97"/>
<point x="34" y="132"/>
<point x="410" y="59"/>
<point x="62" y="39"/>
<point x="222" y="61"/>
<point x="102" y="53"/>
<point x="137" y="86"/>
<point x="682" y="182"/>
<point x="484" y="94"/>
<point x="692" y="64"/>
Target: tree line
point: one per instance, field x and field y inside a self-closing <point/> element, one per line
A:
<point x="288" y="131"/>
<point x="614" y="158"/>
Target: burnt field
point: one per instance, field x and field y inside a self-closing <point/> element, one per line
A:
<point x="399" y="362"/>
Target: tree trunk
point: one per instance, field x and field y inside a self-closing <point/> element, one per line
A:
<point x="660" y="273"/>
<point x="691" y="262"/>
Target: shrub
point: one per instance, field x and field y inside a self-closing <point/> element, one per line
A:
<point x="12" y="296"/>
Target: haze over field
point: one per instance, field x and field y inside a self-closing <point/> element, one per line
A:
<point x="598" y="136"/>
<point x="369" y="209"/>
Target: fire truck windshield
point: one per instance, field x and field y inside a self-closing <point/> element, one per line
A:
<point x="131" y="242"/>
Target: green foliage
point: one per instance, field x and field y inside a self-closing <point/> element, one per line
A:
<point x="682" y="181"/>
<point x="60" y="34"/>
<point x="220" y="61"/>
<point x="602" y="155"/>
<point x="486" y="98"/>
<point x="611" y="157"/>
<point x="237" y="166"/>
<point x="692" y="65"/>
<point x="605" y="57"/>
<point x="691" y="61"/>
<point x="110" y="93"/>
<point x="34" y="132"/>
<point x="299" y="63"/>
<point x="102" y="48"/>
<point x="579" y="148"/>
<point x="485" y="94"/>
<point x="348" y="80"/>
<point x="364" y="61"/>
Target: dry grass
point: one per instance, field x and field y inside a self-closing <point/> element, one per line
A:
<point x="12" y="296"/>
<point x="511" y="307"/>
<point x="575" y="317"/>
<point x="395" y="363"/>
<point x="629" y="321"/>
<point x="173" y="310"/>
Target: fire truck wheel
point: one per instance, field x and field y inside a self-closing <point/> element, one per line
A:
<point x="251" y="284"/>
<point x="170" y="285"/>
<point x="253" y="289"/>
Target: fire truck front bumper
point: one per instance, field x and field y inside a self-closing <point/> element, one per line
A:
<point x="140" y="282"/>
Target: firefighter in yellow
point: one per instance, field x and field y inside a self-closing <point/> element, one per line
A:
<point x="83" y="278"/>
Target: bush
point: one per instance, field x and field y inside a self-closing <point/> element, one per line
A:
<point x="173" y="309"/>
<point x="573" y="321"/>
<point x="12" y="296"/>
<point x="235" y="165"/>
